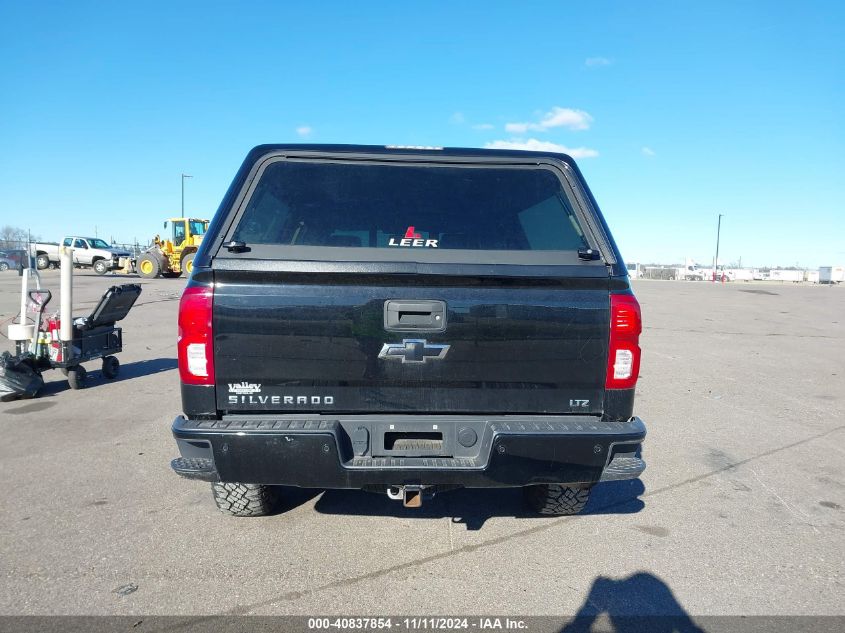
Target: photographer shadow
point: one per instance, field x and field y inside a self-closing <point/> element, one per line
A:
<point x="641" y="603"/>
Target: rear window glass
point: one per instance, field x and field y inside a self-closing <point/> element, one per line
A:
<point x="386" y="206"/>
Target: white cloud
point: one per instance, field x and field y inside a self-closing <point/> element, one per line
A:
<point x="556" y="117"/>
<point x="457" y="118"/>
<point x="595" y="62"/>
<point x="647" y="151"/>
<point x="483" y="126"/>
<point x="517" y="128"/>
<point x="304" y="130"/>
<point x="534" y="145"/>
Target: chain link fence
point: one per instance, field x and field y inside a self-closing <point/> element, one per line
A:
<point x="13" y="251"/>
<point x="659" y="272"/>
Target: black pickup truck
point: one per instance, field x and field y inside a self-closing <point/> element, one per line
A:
<point x="408" y="320"/>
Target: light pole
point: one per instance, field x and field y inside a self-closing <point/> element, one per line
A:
<point x="718" y="233"/>
<point x="183" y="193"/>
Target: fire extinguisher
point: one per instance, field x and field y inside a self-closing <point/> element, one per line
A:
<point x="54" y="327"/>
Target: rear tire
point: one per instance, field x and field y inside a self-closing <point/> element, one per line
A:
<point x="111" y="367"/>
<point x="4" y="266"/>
<point x="245" y="500"/>
<point x="556" y="500"/>
<point x="76" y="377"/>
<point x="42" y="261"/>
<point x="148" y="266"/>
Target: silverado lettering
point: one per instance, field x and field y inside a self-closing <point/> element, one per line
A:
<point x="287" y="400"/>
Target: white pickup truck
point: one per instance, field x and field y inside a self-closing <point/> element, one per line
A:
<point x="88" y="252"/>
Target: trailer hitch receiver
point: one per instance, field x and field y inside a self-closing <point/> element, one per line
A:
<point x="410" y="495"/>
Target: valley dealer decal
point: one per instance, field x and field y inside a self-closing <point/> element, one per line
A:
<point x="250" y="393"/>
<point x="412" y="239"/>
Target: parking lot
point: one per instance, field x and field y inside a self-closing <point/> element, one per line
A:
<point x="740" y="511"/>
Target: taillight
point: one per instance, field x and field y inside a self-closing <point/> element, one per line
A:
<point x="623" y="355"/>
<point x="195" y="341"/>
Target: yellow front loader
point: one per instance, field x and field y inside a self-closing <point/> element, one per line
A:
<point x="173" y="256"/>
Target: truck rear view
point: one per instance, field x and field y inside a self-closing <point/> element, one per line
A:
<point x="408" y="321"/>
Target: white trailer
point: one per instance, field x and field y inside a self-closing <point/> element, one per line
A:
<point x="794" y="276"/>
<point x="831" y="274"/>
<point x="739" y="274"/>
<point x="812" y="276"/>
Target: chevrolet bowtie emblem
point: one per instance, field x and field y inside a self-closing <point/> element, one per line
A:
<point x="412" y="350"/>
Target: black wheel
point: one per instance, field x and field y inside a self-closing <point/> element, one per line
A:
<point x="245" y="500"/>
<point x="188" y="264"/>
<point x="101" y="267"/>
<point x="111" y="366"/>
<point x="4" y="266"/>
<point x="42" y="261"/>
<point x="148" y="266"/>
<point x="76" y="377"/>
<point x="555" y="499"/>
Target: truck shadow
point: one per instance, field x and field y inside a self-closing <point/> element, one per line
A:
<point x="639" y="603"/>
<point x="474" y="507"/>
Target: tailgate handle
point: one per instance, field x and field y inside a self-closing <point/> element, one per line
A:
<point x="413" y="315"/>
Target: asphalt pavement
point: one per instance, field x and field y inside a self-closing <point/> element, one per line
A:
<point x="740" y="511"/>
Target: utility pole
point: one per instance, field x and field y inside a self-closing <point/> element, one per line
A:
<point x="718" y="234"/>
<point x="183" y="192"/>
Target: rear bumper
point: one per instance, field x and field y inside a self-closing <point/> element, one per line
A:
<point x="333" y="452"/>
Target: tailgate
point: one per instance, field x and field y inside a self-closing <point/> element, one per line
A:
<point x="281" y="344"/>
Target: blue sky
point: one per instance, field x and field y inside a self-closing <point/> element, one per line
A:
<point x="679" y="110"/>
